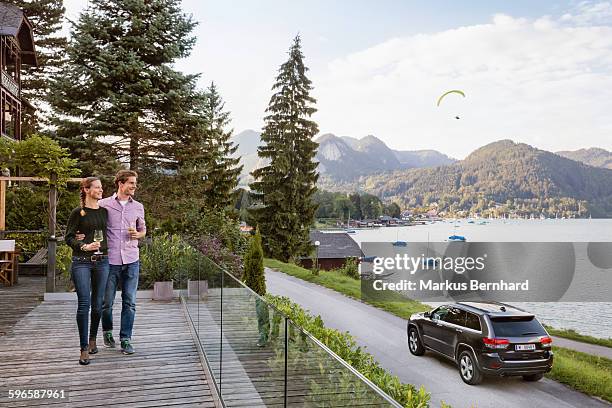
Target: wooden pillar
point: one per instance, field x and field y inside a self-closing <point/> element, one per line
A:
<point x="52" y="242"/>
<point x="2" y="205"/>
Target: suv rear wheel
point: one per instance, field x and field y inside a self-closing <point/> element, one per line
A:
<point x="468" y="368"/>
<point x="533" y="377"/>
<point x="414" y="343"/>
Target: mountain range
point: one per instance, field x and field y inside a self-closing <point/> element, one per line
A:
<point x="593" y="156"/>
<point x="504" y="173"/>
<point x="345" y="159"/>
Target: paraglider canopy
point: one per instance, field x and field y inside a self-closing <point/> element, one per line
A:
<point x="449" y="92"/>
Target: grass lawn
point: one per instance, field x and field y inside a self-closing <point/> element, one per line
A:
<point x="397" y="304"/>
<point x="583" y="372"/>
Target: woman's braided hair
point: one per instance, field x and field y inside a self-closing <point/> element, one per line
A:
<point x="85" y="183"/>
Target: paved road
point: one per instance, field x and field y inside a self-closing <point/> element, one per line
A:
<point x="384" y="336"/>
<point x="594" y="349"/>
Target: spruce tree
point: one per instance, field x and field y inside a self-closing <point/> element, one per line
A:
<point x="284" y="187"/>
<point x="254" y="276"/>
<point x="119" y="87"/>
<point x="46" y="17"/>
<point x="222" y="169"/>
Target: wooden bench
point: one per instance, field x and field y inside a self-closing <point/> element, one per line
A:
<point x="36" y="265"/>
<point x="9" y="272"/>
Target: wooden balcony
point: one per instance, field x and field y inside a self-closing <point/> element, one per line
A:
<point x="39" y="350"/>
<point x="10" y="84"/>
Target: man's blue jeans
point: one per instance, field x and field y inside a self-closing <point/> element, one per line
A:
<point x="128" y="276"/>
<point x="90" y="282"/>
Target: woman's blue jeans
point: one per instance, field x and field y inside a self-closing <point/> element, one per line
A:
<point x="90" y="282"/>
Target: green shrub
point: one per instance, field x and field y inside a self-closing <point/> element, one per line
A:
<point x="344" y="345"/>
<point x="168" y="258"/>
<point x="63" y="263"/>
<point x="584" y="372"/>
<point x="213" y="249"/>
<point x="38" y="156"/>
<point x="28" y="206"/>
<point x="29" y="243"/>
<point x="350" y="268"/>
<point x="193" y="223"/>
<point x="63" y="260"/>
<point x="254" y="276"/>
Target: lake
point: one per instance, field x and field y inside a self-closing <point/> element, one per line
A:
<point x="569" y="315"/>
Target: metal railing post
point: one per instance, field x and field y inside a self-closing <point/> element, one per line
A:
<point x="221" y="342"/>
<point x="286" y="358"/>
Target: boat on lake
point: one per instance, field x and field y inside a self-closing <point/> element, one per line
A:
<point x="459" y="238"/>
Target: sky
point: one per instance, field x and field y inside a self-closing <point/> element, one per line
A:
<point x="538" y="72"/>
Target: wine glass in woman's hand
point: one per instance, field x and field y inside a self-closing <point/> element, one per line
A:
<point x="98" y="237"/>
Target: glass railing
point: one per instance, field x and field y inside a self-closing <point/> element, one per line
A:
<point x="257" y="356"/>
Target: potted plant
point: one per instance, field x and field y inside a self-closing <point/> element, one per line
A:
<point x="160" y="265"/>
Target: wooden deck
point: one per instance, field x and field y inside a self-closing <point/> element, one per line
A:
<point x="41" y="352"/>
<point x="18" y="300"/>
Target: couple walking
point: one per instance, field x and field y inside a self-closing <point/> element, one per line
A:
<point x="103" y="235"/>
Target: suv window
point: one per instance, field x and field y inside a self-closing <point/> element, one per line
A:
<point x="517" y="326"/>
<point x="473" y="321"/>
<point x="455" y="316"/>
<point x="440" y="313"/>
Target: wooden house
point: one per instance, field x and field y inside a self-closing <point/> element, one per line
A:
<point x="16" y="50"/>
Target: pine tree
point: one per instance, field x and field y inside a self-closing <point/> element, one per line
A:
<point x="119" y="87"/>
<point x="222" y="169"/>
<point x="254" y="276"/>
<point x="202" y="156"/>
<point x="46" y="17"/>
<point x="286" y="185"/>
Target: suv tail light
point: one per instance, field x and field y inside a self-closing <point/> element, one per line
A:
<point x="546" y="341"/>
<point x="495" y="343"/>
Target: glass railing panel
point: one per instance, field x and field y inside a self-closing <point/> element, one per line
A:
<point x="253" y="363"/>
<point x="317" y="378"/>
<point x="206" y="291"/>
<point x="258" y="357"/>
<point x="188" y="266"/>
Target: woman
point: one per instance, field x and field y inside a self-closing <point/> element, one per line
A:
<point x="89" y="268"/>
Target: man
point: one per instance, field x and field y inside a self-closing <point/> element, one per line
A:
<point x="126" y="225"/>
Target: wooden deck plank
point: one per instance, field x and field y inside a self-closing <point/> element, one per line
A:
<point x="41" y="351"/>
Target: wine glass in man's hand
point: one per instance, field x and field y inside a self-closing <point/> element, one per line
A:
<point x="132" y="230"/>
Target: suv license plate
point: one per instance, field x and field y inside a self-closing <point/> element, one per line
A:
<point x="525" y="347"/>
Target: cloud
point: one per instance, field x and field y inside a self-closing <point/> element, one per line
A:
<point x="544" y="81"/>
<point x="589" y="13"/>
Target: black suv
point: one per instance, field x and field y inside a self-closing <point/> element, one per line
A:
<point x="483" y="338"/>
